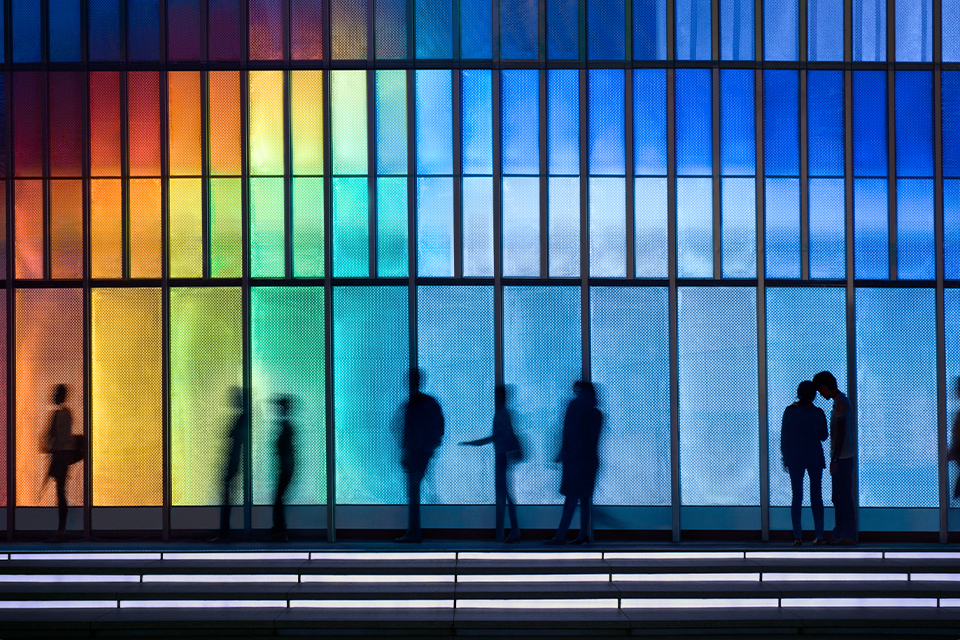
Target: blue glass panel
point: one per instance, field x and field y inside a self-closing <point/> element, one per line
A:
<point x="435" y="227"/>
<point x="869" y="123"/>
<point x="521" y="227"/>
<point x="521" y="121"/>
<point x="143" y="30"/>
<point x="608" y="228"/>
<point x="606" y="112"/>
<point x="391" y="87"/>
<point x="951" y="229"/>
<point x="739" y="227"/>
<point x="782" y="235"/>
<point x="477" y="121"/>
<point x="719" y="448"/>
<point x="371" y="357"/>
<point x="950" y="43"/>
<point x="869" y="30"/>
<point x="897" y="427"/>
<point x="952" y="321"/>
<point x="650" y="30"/>
<point x="824" y="30"/>
<point x="738" y="146"/>
<point x="434" y="122"/>
<point x="871" y="229"/>
<point x="563" y="121"/>
<point x="563" y="35"/>
<point x="950" y="102"/>
<point x="650" y="227"/>
<point x="65" y="28"/>
<point x="914" y="30"/>
<point x="827" y="228"/>
<point x="391" y="29"/>
<point x="458" y="360"/>
<point x="518" y="29"/>
<point x="781" y="123"/>
<point x="650" y="122"/>
<point x="477" y="215"/>
<point x="630" y="368"/>
<point x="780" y="29"/>
<point x="693" y="40"/>
<point x="915" y="245"/>
<point x="736" y="30"/>
<point x="694" y="122"/>
<point x="541" y="359"/>
<point x="563" y="197"/>
<point x="26" y="31"/>
<point x="694" y="228"/>
<point x="434" y="20"/>
<point x="806" y="333"/>
<point x="392" y="253"/>
<point x="825" y="123"/>
<point x="104" y="31"/>
<point x="476" y="29"/>
<point x="914" y="130"/>
<point x="351" y="228"/>
<point x="605" y="29"/>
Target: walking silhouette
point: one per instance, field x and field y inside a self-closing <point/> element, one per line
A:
<point x="422" y="434"/>
<point x="285" y="466"/>
<point x="237" y="442"/>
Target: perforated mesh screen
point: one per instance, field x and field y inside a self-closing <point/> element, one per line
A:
<point x="869" y="31"/>
<point x="434" y="24"/>
<point x="392" y="229"/>
<point x="827" y="229"/>
<point x="782" y="234"/>
<point x="694" y="123"/>
<point x="65" y="97"/>
<point x="266" y="29"/>
<point x="391" y="29"/>
<point x="869" y="123"/>
<point x="476" y="29"/>
<point x="914" y="30"/>
<point x="914" y="123"/>
<point x="143" y="121"/>
<point x="434" y="121"/>
<point x="736" y="30"/>
<point x="650" y="30"/>
<point x="870" y="229"/>
<point x="106" y="229"/>
<point x="28" y="232"/>
<point x="351" y="227"/>
<point x="738" y="198"/>
<point x="563" y="200"/>
<point x="477" y="104"/>
<point x="738" y="148"/>
<point x="308" y="233"/>
<point x="608" y="238"/>
<point x="183" y="29"/>
<point x="186" y="228"/>
<point x="521" y="227"/>
<point x="825" y="122"/>
<point x="267" y="253"/>
<point x="915" y="232"/>
<point x="694" y="227"/>
<point x="520" y="108"/>
<point x="348" y="121"/>
<point x="781" y="122"/>
<point x="265" y="123"/>
<point x="605" y="29"/>
<point x="693" y="39"/>
<point x="435" y="227"/>
<point x="563" y="121"/>
<point x="825" y="30"/>
<point x="780" y="29"/>
<point x="650" y="227"/>
<point x="225" y="234"/>
<point x="562" y="29"/>
<point x="518" y="29"/>
<point x="391" y="121"/>
<point x="605" y="106"/>
<point x="349" y="29"/>
<point x="183" y="132"/>
<point x="477" y="215"/>
<point x="951" y="229"/>
<point x="306" y="30"/>
<point x="66" y="228"/>
<point x="306" y="122"/>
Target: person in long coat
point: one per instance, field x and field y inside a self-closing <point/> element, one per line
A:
<point x="803" y="428"/>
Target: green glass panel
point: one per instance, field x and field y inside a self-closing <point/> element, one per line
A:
<point x="351" y="228"/>
<point x="266" y="228"/>
<point x="348" y="121"/>
<point x="225" y="235"/>
<point x="392" y="261"/>
<point x="307" y="227"/>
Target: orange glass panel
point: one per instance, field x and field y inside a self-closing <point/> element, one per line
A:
<point x="143" y="90"/>
<point x="66" y="229"/>
<point x="49" y="351"/>
<point x="184" y="102"/>
<point x="105" y="123"/>
<point x="145" y="247"/>
<point x="224" y="114"/>
<point x="28" y="214"/>
<point x="106" y="229"/>
<point x="186" y="228"/>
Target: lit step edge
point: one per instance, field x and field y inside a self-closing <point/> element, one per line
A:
<point x="202" y="604"/>
<point x="698" y="603"/>
<point x="372" y="604"/>
<point x="559" y="603"/>
<point x="686" y="577"/>
<point x="853" y="603"/>
<point x="236" y="555"/>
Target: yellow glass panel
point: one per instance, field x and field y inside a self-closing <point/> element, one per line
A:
<point x="145" y="246"/>
<point x="306" y="122"/>
<point x="224" y="114"/>
<point x="184" y="103"/>
<point x="266" y="123"/>
<point x="106" y="229"/>
<point x="186" y="228"/>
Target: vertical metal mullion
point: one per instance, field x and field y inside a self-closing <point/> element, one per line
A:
<point x="717" y="202"/>
<point x="457" y="97"/>
<point x="802" y="31"/>
<point x="892" y="168"/>
<point x="804" y="180"/>
<point x="164" y="302"/>
<point x="88" y="309"/>
<point x="940" y="304"/>
<point x="851" y="318"/>
<point x="330" y="415"/>
<point x="245" y="299"/>
<point x="848" y="31"/>
<point x="582" y="30"/>
<point x="584" y="229"/>
<point x="412" y="215"/>
<point x="714" y="29"/>
<point x="123" y="79"/>
<point x="762" y="421"/>
<point x="542" y="31"/>
<point x="628" y="31"/>
<point x="758" y="38"/>
<point x="495" y="5"/>
<point x="46" y="149"/>
<point x="497" y="227"/>
<point x="9" y="266"/>
<point x="628" y="172"/>
<point x="205" y="172"/>
<point x="672" y="303"/>
<point x="372" y="170"/>
<point x="671" y="29"/>
<point x="287" y="174"/>
<point x="891" y="30"/>
<point x="544" y="194"/>
<point x="456" y="29"/>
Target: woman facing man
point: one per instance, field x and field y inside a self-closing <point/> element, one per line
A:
<point x="804" y="427"/>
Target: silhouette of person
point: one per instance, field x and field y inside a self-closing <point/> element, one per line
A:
<point x="803" y="428"/>
<point x="843" y="458"/>
<point x="581" y="461"/>
<point x="64" y="449"/>
<point x="953" y="453"/>
<point x="285" y="459"/>
<point x="507" y="450"/>
<point x="422" y="434"/>
<point x="237" y="438"/>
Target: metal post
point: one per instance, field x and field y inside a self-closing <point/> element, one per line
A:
<point x="942" y="389"/>
<point x="584" y="228"/>
<point x="851" y="316"/>
<point x="804" y="181"/>
<point x="497" y="228"/>
<point x="762" y="315"/>
<point x="544" y="168"/>
<point x="715" y="143"/>
<point x="672" y="304"/>
<point x="328" y="372"/>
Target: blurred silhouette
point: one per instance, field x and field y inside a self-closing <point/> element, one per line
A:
<point x="803" y="428"/>
<point x="422" y="434"/>
<point x="65" y="449"/>
<point x="843" y="461"/>
<point x="507" y="450"/>
<point x="238" y="437"/>
<point x="953" y="453"/>
<point x="581" y="461"/>
<point x="285" y="460"/>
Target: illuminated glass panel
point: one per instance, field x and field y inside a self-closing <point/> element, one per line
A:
<point x="143" y="30"/>
<point x="391" y="122"/>
<point x="605" y="107"/>
<point x="825" y="123"/>
<point x="183" y="90"/>
<point x="224" y="113"/>
<point x="145" y="228"/>
<point x="781" y="117"/>
<point x="915" y="234"/>
<point x="650" y="227"/>
<point x="267" y="257"/>
<point x="950" y="105"/>
<point x="184" y="24"/>
<point x="126" y="430"/>
<point x="869" y="123"/>
<point x="26" y="30"/>
<point x="870" y="229"/>
<point x="434" y="27"/>
<point x="869" y="31"/>
<point x="477" y="105"/>
<point x="951" y="229"/>
<point x="28" y="234"/>
<point x="143" y="121"/>
<point x="4" y="397"/>
<point x="434" y="95"/>
<point x="65" y="104"/>
<point x="914" y="30"/>
<point x="914" y="119"/>
<point x="738" y="147"/>
<point x="736" y="30"/>
<point x="349" y="29"/>
<point x="351" y="228"/>
<point x="266" y="29"/>
<point x="693" y="122"/>
<point x="266" y="123"/>
<point x="205" y="366"/>
<point x="649" y="122"/>
<point x="435" y="227"/>
<point x="28" y="123"/>
<point x="781" y="39"/>
<point x="693" y="41"/>
<point x="105" y="123"/>
<point x="66" y="229"/>
<point x="476" y="29"/>
<point x="392" y="228"/>
<point x="563" y="35"/>
<point x="518" y="29"/>
<point x="306" y="122"/>
<point x="391" y="29"/>
<point x="223" y="29"/>
<point x="605" y="29"/>
<point x="306" y="30"/>
<point x="950" y="35"/>
<point x="186" y="228"/>
<point x="225" y="236"/>
<point x="65" y="28"/>
<point x="477" y="216"/>
<point x="521" y="227"/>
<point x="827" y="228"/>
<point x="563" y="121"/>
<point x="825" y="30"/>
<point x="348" y="121"/>
<point x="307" y="204"/>
<point x="520" y="99"/>
<point x="782" y="234"/>
<point x="106" y="229"/>
<point x="563" y="218"/>
<point x="608" y="237"/>
<point x="719" y="450"/>
<point x="650" y="30"/>
<point x="738" y="202"/>
<point x="695" y="227"/>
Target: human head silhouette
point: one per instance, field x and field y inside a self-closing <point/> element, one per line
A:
<point x="806" y="392"/>
<point x="60" y="394"/>
<point x="284" y="405"/>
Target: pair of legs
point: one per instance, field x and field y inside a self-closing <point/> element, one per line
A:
<point x="59" y="464"/>
<point x="816" y="499"/>
<point x="414" y="480"/>
<point x="504" y="501"/>
<point x="569" y="506"/>
<point x="279" y="517"/>
<point x="233" y="466"/>
<point x="843" y="507"/>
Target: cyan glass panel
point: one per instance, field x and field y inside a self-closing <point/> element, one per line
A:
<point x="563" y="197"/>
<point x="951" y="229"/>
<point x="629" y="364"/>
<point x="827" y="228"/>
<point x="456" y="354"/>
<point x="606" y="113"/>
<point x="541" y="359"/>
<point x="914" y="30"/>
<point x="650" y="227"/>
<point x="608" y="228"/>
<point x="693" y="40"/>
<point x="143" y="30"/>
<point x="371" y="357"/>
<point x="391" y="121"/>
<point x="521" y="227"/>
<point x="738" y="147"/>
<point x="869" y="31"/>
<point x="563" y="35"/>
<point x="824" y="30"/>
<point x="736" y="30"/>
<point x="518" y="29"/>
<point x="476" y="29"/>
<point x="897" y="430"/>
<point x="392" y="254"/>
<point x="650" y="122"/>
<point x="434" y="122"/>
<point x="434" y="24"/>
<point x="825" y="123"/>
<point x="435" y="227"/>
<point x="739" y="230"/>
<point x="782" y="235"/>
<point x="105" y="45"/>
<point x="477" y="109"/>
<point x="781" y="122"/>
<point x="605" y="29"/>
<point x="351" y="228"/>
<point x="781" y="29"/>
<point x="806" y="333"/>
<point x="694" y="228"/>
<point x="521" y="121"/>
<point x="952" y="323"/>
<point x="477" y="216"/>
<point x="26" y="31"/>
<point x="650" y="30"/>
<point x="719" y="447"/>
<point x="267" y="255"/>
<point x="308" y="240"/>
<point x="563" y="121"/>
<point x="950" y="91"/>
<point x="915" y="239"/>
<point x="65" y="27"/>
<point x="914" y="130"/>
<point x="870" y="229"/>
<point x="869" y="123"/>
<point x="950" y="31"/>
<point x="694" y="122"/>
